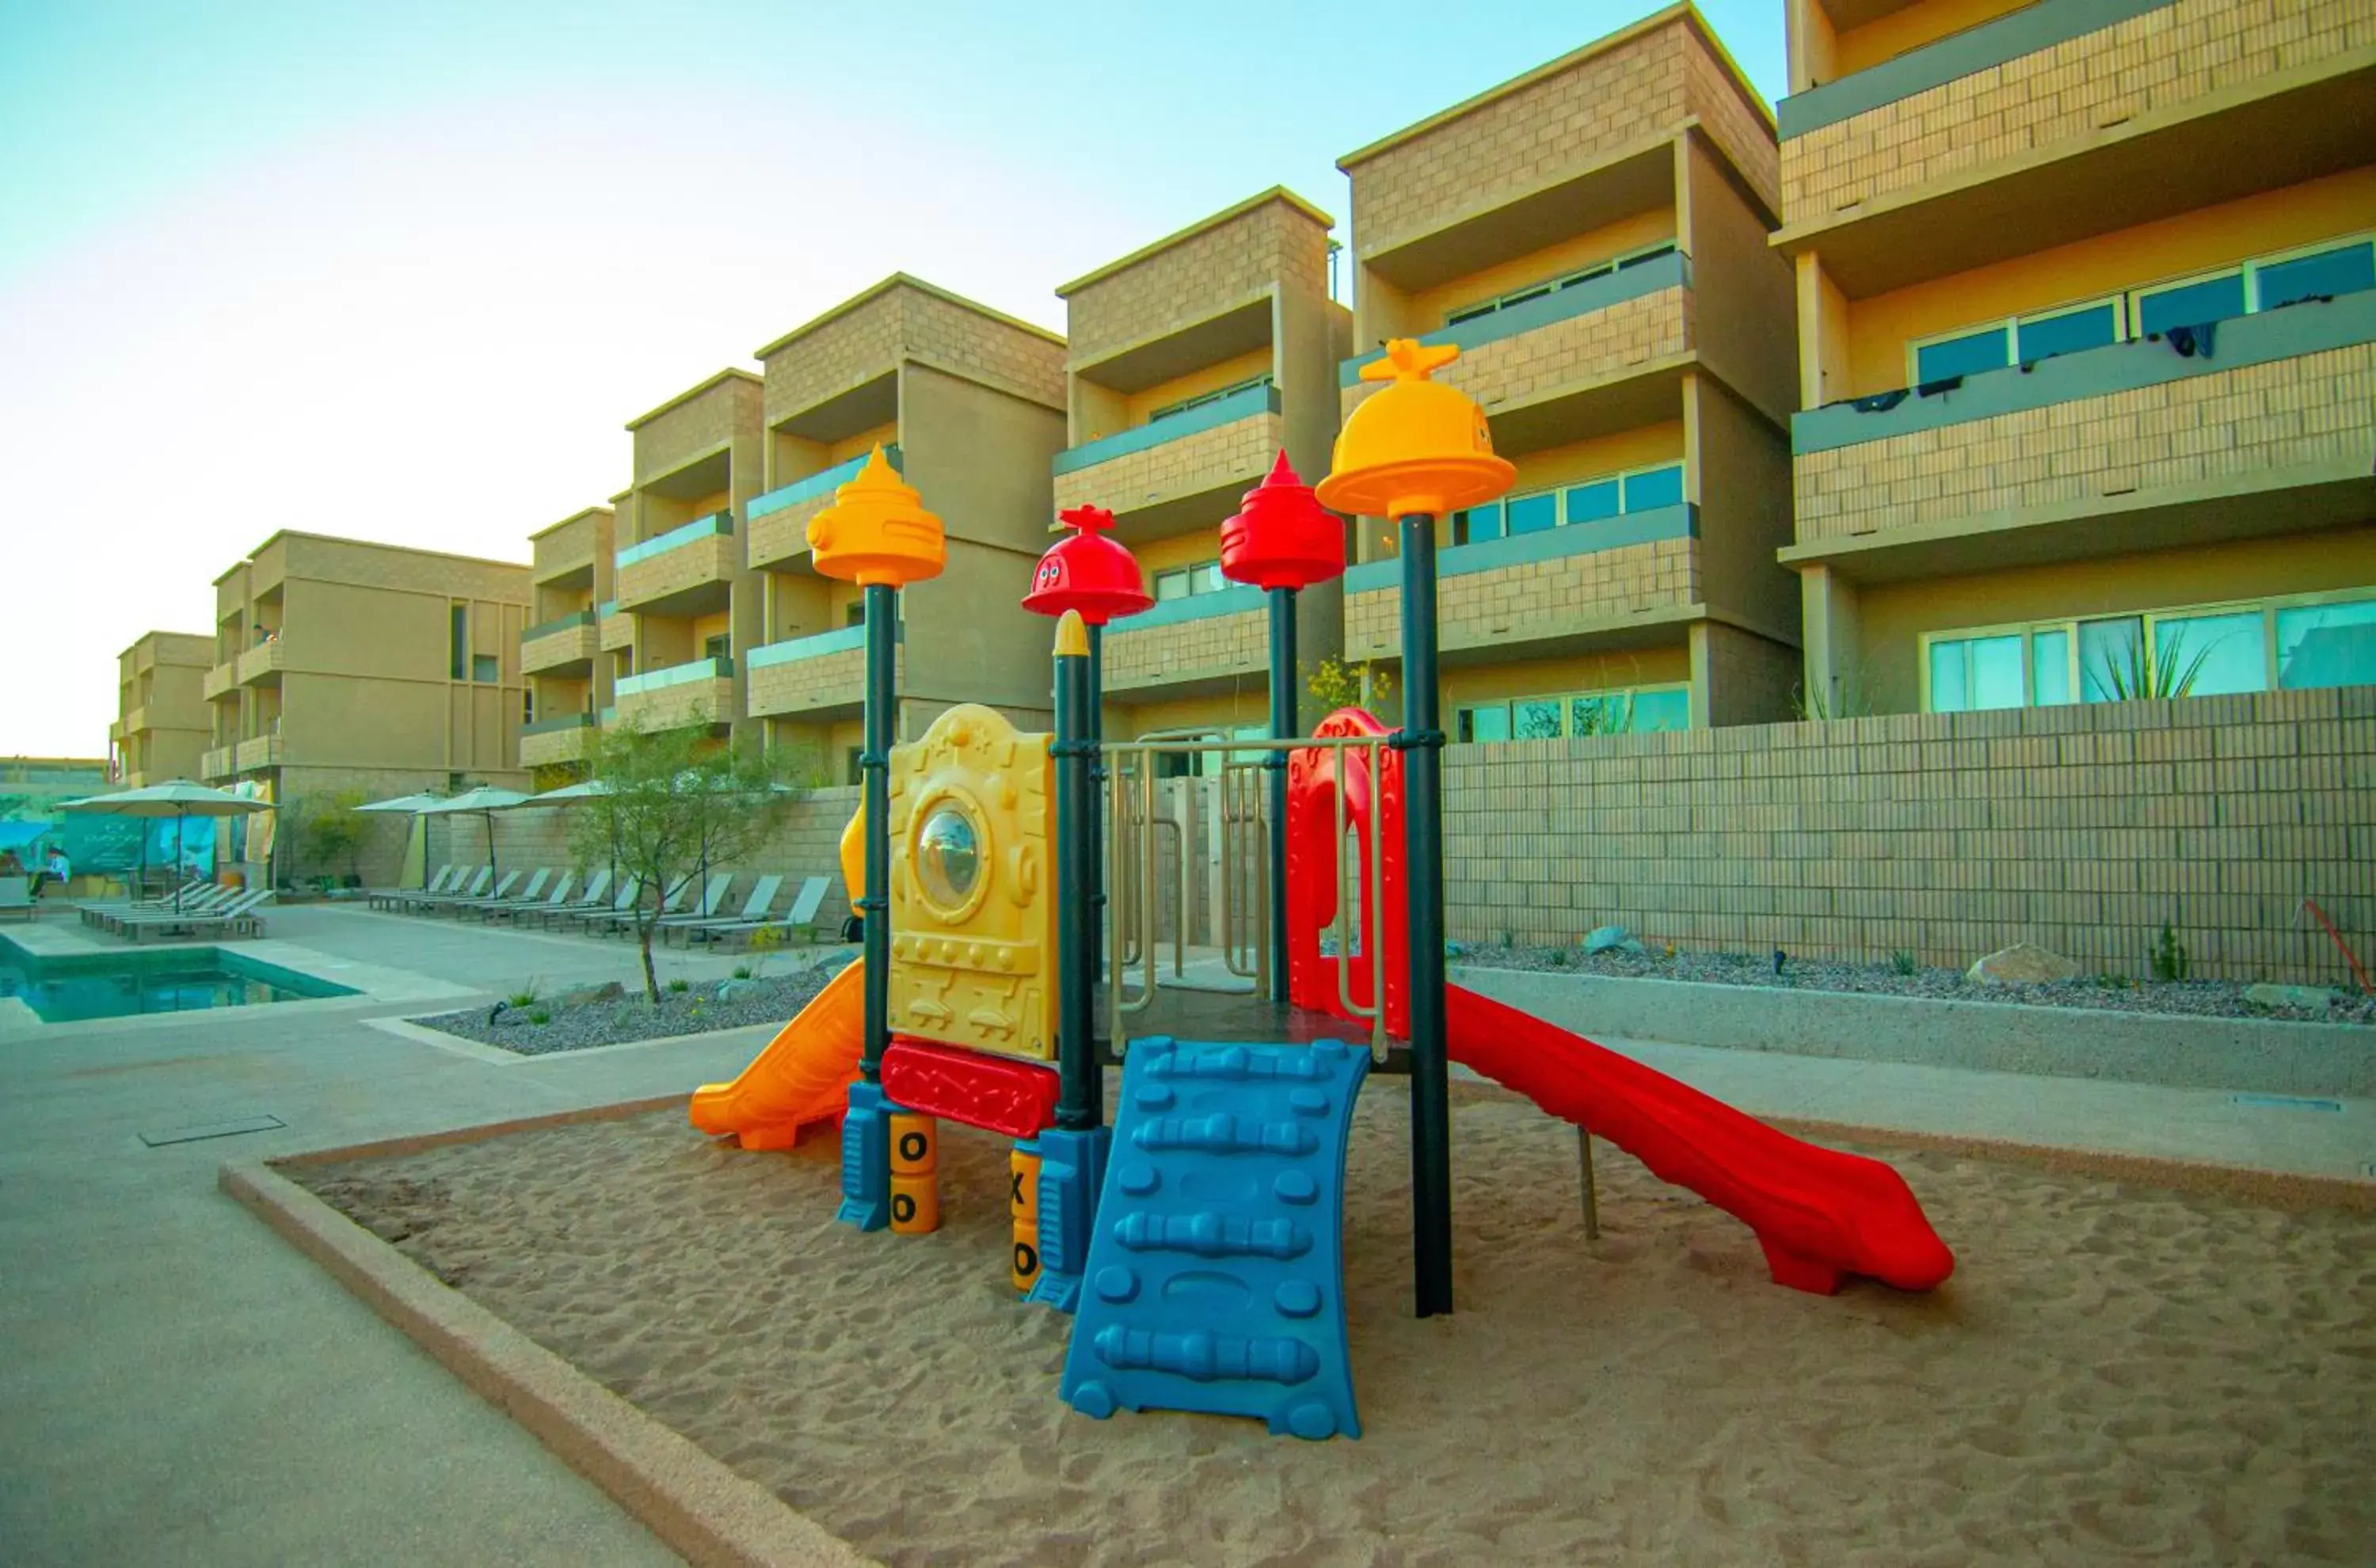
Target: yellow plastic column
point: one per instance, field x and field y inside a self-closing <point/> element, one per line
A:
<point x="1023" y="1205"/>
<point x="915" y="1174"/>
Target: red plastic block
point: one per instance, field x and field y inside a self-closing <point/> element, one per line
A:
<point x="993" y="1092"/>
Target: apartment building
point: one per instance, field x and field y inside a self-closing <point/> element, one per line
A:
<point x="341" y="664"/>
<point x="2087" y="311"/>
<point x="560" y="656"/>
<point x="680" y="593"/>
<point x="162" y="729"/>
<point x="968" y="406"/>
<point x="1194" y="362"/>
<point x="1593" y="236"/>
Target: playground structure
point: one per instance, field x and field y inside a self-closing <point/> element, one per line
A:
<point x="1198" y="1239"/>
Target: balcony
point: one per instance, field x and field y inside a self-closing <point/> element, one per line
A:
<point x="1186" y="647"/>
<point x="2266" y="429"/>
<point x="220" y="681"/>
<point x="1536" y="366"/>
<point x="777" y="522"/>
<point x="1622" y="581"/>
<point x="562" y="737"/>
<point x="262" y="663"/>
<point x="1225" y="445"/>
<point x="683" y="571"/>
<point x="678" y="695"/>
<point x="566" y="642"/>
<point x="2090" y="104"/>
<point x="263" y="751"/>
<point x="217" y="762"/>
<point x="820" y="677"/>
<point x="617" y="628"/>
<point x="564" y="554"/>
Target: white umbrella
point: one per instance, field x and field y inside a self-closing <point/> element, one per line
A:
<point x="410" y="805"/>
<point x="486" y="799"/>
<point x="176" y="798"/>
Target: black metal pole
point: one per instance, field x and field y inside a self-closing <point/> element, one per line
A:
<point x="1284" y="725"/>
<point x="875" y="766"/>
<point x="1080" y="1102"/>
<point x="1097" y="802"/>
<point x="1422" y="743"/>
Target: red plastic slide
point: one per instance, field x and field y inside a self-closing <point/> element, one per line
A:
<point x="1819" y="1213"/>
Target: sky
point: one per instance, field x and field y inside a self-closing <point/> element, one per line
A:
<point x="404" y="272"/>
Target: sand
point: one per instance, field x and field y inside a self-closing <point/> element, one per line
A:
<point x="2116" y="1374"/>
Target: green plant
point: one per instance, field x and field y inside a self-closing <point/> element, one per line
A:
<point x="2169" y="960"/>
<point x="1846" y="695"/>
<point x="1558" y="957"/>
<point x="524" y="997"/>
<point x="540" y="1016"/>
<point x="2110" y="980"/>
<point x="1903" y="961"/>
<point x="679" y="984"/>
<point x="741" y="971"/>
<point x="2125" y="673"/>
<point x="763" y="942"/>
<point x="1337" y="683"/>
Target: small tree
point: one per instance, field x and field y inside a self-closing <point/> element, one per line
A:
<point x="674" y="799"/>
<point x="333" y="830"/>
<point x="1338" y="682"/>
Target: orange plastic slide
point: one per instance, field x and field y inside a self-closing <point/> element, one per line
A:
<point x="801" y="1077"/>
<point x="1819" y="1213"/>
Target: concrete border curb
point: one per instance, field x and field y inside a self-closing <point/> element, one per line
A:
<point x="2256" y="1055"/>
<point x="699" y="1507"/>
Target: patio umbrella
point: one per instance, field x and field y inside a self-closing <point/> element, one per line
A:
<point x="407" y="805"/>
<point x="569" y="795"/>
<point x="486" y="799"/>
<point x="176" y="798"/>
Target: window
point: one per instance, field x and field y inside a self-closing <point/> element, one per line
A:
<point x="486" y="668"/>
<point x="716" y="645"/>
<point x="1531" y="292"/>
<point x="1575" y="715"/>
<point x="1181" y="582"/>
<point x="2283" y="278"/>
<point x="1639" y="489"/>
<point x="460" y="638"/>
<point x="528" y="707"/>
<point x="2207" y="650"/>
<point x="1200" y="401"/>
<point x="852" y="771"/>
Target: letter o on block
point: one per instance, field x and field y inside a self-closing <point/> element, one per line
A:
<point x="1023" y="1206"/>
<point x="915" y="1174"/>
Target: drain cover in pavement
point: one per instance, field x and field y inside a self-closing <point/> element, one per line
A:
<point x="205" y="1130"/>
<point x="2285" y="1102"/>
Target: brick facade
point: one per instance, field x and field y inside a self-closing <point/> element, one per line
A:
<point x="2256" y="419"/>
<point x="714" y="559"/>
<point x="569" y="546"/>
<point x="782" y="535"/>
<point x="869" y="337"/>
<point x="1199" y="275"/>
<point x="548" y="747"/>
<point x="1544" y="599"/>
<point x="699" y="422"/>
<point x="1158" y="656"/>
<point x="618" y="632"/>
<point x="1235" y="453"/>
<point x="2150" y="64"/>
<point x="571" y="645"/>
<point x="806" y="686"/>
<point x="672" y="706"/>
<point x="1601" y="345"/>
<point x="2082" y="829"/>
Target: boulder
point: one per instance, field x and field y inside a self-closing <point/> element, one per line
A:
<point x="728" y="990"/>
<point x="1606" y="939"/>
<point x="585" y="995"/>
<point x="2311" y="998"/>
<point x="2022" y="964"/>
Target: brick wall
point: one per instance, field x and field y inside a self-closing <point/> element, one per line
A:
<point x="714" y="559"/>
<point x="1240" y="450"/>
<point x="697" y="425"/>
<point x="804" y="685"/>
<point x="2256" y="419"/>
<point x="2082" y="829"/>
<point x="571" y="546"/>
<point x="1214" y="645"/>
<point x="1204" y="273"/>
<point x="567" y="646"/>
<point x="362" y="564"/>
<point x="1524" y="139"/>
<point x="870" y="339"/>
<point x="1742" y="129"/>
<point x="782" y="534"/>
<point x="1597" y="346"/>
<point x="672" y="705"/>
<point x="1539" y="599"/>
<point x="618" y="632"/>
<point x="985" y="349"/>
<point x="2148" y="63"/>
<point x="547" y="747"/>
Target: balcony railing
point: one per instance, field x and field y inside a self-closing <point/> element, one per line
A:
<point x="557" y="723"/>
<point x="221" y="680"/>
<point x="848" y="639"/>
<point x="605" y="610"/>
<point x="264" y="659"/>
<point x="716" y="524"/>
<point x="675" y="675"/>
<point x="576" y="618"/>
<point x="1672" y="270"/>
<point x="2030" y="31"/>
<point x="818" y="484"/>
<point x="1239" y="405"/>
<point x="1647" y="527"/>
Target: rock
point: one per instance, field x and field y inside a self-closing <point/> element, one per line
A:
<point x="2022" y="964"/>
<point x="1606" y="939"/>
<point x="728" y="990"/>
<point x="585" y="995"/>
<point x="1456" y="949"/>
<point x="2311" y="998"/>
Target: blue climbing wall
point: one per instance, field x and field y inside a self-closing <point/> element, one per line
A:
<point x="1215" y="1278"/>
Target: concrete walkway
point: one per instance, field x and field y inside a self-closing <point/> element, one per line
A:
<point x="181" y="1387"/>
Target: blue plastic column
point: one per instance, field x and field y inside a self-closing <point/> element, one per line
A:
<point x="1072" y="1172"/>
<point x="866" y="1158"/>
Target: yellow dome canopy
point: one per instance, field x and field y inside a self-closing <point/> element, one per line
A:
<point x="876" y="532"/>
<point x="1416" y="445"/>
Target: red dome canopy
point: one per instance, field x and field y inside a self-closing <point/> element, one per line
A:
<point x="1282" y="537"/>
<point x="1088" y="572"/>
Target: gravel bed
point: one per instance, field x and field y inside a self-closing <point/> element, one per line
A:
<point x="2210" y="999"/>
<point x="771" y="999"/>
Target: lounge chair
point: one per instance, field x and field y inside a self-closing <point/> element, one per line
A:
<point x="495" y="894"/>
<point x="423" y="901"/>
<point x="754" y="909"/>
<point x="387" y="897"/>
<point x="594" y="895"/>
<point x="235" y="918"/>
<point x="503" y="894"/>
<point x="17" y="896"/>
<point x="800" y="916"/>
<point x="196" y="896"/>
<point x="631" y="891"/>
<point x="531" y="900"/>
<point x="627" y="916"/>
<point x="713" y="899"/>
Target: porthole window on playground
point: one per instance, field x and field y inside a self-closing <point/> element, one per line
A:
<point x="1574" y="715"/>
<point x="2197" y="650"/>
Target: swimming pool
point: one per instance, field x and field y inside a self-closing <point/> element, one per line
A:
<point x="63" y="989"/>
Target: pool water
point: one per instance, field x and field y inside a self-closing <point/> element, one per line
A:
<point x="63" y="990"/>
